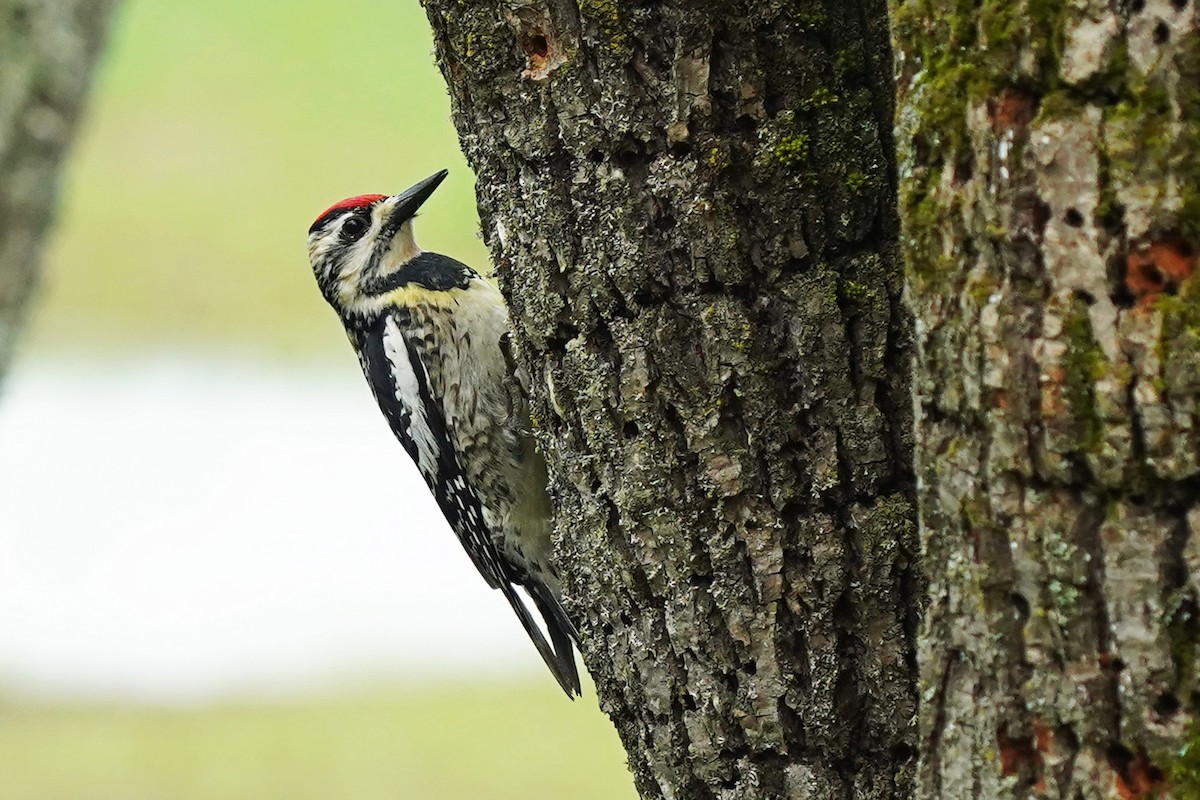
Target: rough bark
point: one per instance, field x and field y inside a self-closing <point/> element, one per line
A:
<point x="47" y="50"/>
<point x="1050" y="154"/>
<point x="690" y="207"/>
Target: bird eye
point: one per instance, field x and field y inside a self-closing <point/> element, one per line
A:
<point x="353" y="228"/>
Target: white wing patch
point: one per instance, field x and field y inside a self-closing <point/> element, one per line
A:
<point x="404" y="378"/>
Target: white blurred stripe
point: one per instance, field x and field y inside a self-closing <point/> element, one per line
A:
<point x="175" y="530"/>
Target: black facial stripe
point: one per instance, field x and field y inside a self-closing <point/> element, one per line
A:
<point x="430" y="270"/>
<point x="324" y="222"/>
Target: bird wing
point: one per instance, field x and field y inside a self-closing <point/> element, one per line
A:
<point x="397" y="374"/>
<point x="398" y="378"/>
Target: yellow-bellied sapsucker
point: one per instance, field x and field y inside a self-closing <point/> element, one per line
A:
<point x="430" y="335"/>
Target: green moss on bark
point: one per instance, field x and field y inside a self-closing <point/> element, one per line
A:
<point x="1183" y="766"/>
<point x="606" y="15"/>
<point x="958" y="54"/>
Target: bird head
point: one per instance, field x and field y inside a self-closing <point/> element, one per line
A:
<point x="360" y="246"/>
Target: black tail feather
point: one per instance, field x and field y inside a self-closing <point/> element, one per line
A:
<point x="560" y="657"/>
<point x="563" y="635"/>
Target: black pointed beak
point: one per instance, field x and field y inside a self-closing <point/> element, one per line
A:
<point x="408" y="201"/>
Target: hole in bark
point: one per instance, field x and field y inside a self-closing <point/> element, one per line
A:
<point x="1179" y="5"/>
<point x="1154" y="276"/>
<point x="1144" y="278"/>
<point x="563" y="331"/>
<point x="537" y="46"/>
<point x="775" y="100"/>
<point x="1121" y="296"/>
<point x="630" y="430"/>
<point x="681" y="148"/>
<point x="746" y="123"/>
<point x="1162" y="33"/>
<point x="1070" y="740"/>
<point x="1113" y="220"/>
<point x="1084" y="295"/>
<point x="1160" y="266"/>
<point x="1166" y="705"/>
<point x="1040" y="216"/>
<point x="964" y="166"/>
<point x="921" y="149"/>
<point x="602" y="337"/>
<point x="631" y="153"/>
<point x="1073" y="218"/>
<point x="1137" y="5"/>
<point x="1020" y="607"/>
<point x="540" y="53"/>
<point x="1119" y="756"/>
<point x="596" y="157"/>
<point x="649" y="297"/>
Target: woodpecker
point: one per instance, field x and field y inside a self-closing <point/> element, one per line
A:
<point x="432" y="338"/>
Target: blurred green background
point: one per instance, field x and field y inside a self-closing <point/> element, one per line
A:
<point x="499" y="742"/>
<point x="217" y="131"/>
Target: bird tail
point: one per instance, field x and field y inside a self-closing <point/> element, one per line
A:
<point x="558" y="652"/>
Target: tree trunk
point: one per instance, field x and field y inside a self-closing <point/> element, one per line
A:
<point x="47" y="50"/>
<point x="1051" y="196"/>
<point x="690" y="207"/>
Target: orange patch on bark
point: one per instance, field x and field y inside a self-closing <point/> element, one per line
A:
<point x="1010" y="111"/>
<point x="539" y="53"/>
<point x="1140" y="780"/>
<point x="1024" y="753"/>
<point x="536" y="44"/>
<point x="1159" y="266"/>
<point x="1053" y="404"/>
<point x="1041" y="736"/>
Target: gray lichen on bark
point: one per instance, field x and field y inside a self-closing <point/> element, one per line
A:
<point x="690" y="207"/>
<point x="1050" y="154"/>
<point x="47" y="50"/>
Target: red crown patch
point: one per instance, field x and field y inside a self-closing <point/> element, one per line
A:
<point x="351" y="202"/>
